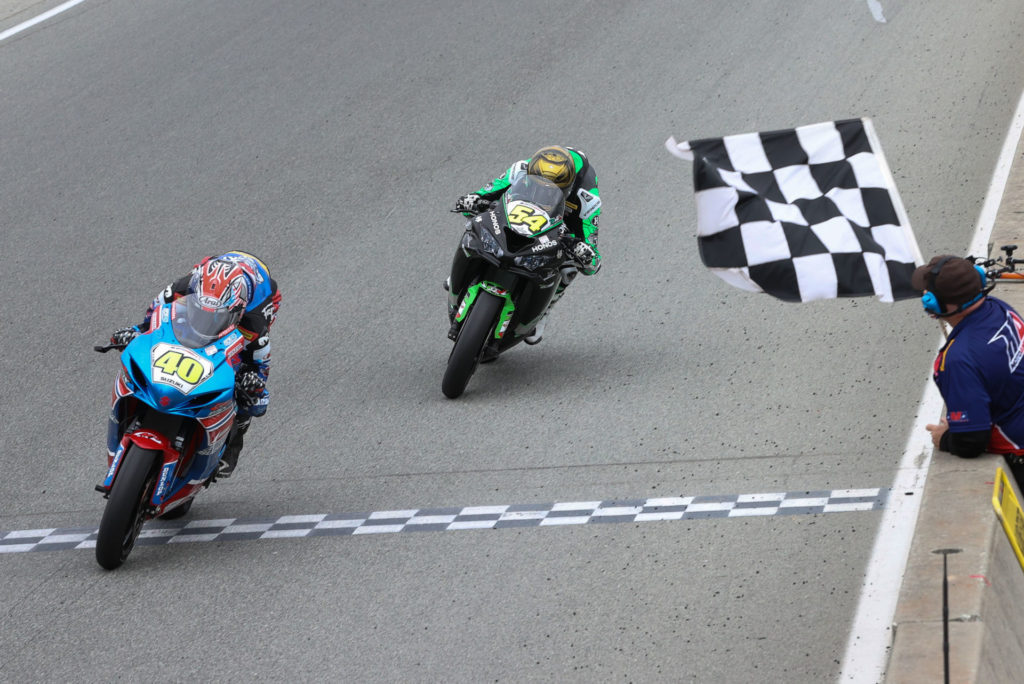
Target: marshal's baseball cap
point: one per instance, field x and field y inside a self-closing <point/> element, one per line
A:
<point x="957" y="281"/>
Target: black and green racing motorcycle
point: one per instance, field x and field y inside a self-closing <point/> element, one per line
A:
<point x="504" y="278"/>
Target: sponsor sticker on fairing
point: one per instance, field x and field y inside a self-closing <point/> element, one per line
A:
<point x="114" y="463"/>
<point x="165" y="476"/>
<point x="494" y="289"/>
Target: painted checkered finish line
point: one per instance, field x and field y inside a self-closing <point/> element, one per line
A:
<point x="466" y="518"/>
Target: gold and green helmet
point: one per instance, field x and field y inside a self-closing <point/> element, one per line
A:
<point x="554" y="163"/>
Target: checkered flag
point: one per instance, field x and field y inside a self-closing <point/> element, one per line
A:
<point x="804" y="213"/>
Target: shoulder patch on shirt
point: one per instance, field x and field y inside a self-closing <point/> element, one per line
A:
<point x="1011" y="333"/>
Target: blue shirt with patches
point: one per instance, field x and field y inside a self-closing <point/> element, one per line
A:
<point x="980" y="375"/>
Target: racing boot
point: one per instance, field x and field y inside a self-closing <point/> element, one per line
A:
<point x="452" y="299"/>
<point x="537" y="334"/>
<point x="229" y="459"/>
<point x="569" y="273"/>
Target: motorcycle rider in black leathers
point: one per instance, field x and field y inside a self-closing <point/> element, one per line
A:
<point x="570" y="170"/>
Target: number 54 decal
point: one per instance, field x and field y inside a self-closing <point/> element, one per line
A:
<point x="181" y="368"/>
<point x="528" y="217"/>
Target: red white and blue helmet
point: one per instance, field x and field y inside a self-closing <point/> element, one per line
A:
<point x="220" y="283"/>
<point x="219" y="292"/>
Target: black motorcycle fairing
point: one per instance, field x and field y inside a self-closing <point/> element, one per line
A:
<point x="523" y="263"/>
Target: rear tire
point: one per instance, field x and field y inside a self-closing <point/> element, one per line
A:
<point x="126" y="508"/>
<point x="471" y="340"/>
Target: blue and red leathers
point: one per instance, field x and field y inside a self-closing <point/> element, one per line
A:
<point x="260" y="313"/>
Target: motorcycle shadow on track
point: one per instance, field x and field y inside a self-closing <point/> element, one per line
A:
<point x="524" y="373"/>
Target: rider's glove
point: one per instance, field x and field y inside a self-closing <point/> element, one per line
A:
<point x="471" y="203"/>
<point x="249" y="388"/>
<point x="582" y="253"/>
<point x="123" y="336"/>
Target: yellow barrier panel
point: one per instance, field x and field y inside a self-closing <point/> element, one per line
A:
<point x="1005" y="502"/>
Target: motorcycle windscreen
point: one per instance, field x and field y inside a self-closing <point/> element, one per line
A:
<point x="196" y="325"/>
<point x="540" y="192"/>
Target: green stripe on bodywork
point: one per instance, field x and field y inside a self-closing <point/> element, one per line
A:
<point x="506" y="310"/>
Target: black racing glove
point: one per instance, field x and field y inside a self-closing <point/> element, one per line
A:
<point x="249" y="387"/>
<point x="583" y="254"/>
<point x="471" y="204"/>
<point x="122" y="337"/>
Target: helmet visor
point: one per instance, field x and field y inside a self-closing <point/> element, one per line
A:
<point x="196" y="325"/>
<point x="539" y="191"/>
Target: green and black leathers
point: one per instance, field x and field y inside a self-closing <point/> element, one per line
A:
<point x="582" y="205"/>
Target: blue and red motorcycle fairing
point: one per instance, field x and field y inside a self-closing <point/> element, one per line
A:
<point x="172" y="410"/>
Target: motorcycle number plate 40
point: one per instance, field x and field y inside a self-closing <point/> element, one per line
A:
<point x="180" y="367"/>
<point x="527" y="219"/>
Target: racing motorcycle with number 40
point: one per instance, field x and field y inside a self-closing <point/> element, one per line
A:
<point x="172" y="410"/>
<point x="515" y="251"/>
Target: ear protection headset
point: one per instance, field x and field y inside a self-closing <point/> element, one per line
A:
<point x="931" y="302"/>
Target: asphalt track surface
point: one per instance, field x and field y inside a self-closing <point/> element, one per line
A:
<point x="331" y="139"/>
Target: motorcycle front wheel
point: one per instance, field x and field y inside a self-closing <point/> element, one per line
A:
<point x="471" y="340"/>
<point x="126" y="507"/>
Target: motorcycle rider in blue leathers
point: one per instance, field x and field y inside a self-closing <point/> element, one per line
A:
<point x="245" y="281"/>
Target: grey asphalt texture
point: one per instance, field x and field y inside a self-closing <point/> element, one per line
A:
<point x="331" y="140"/>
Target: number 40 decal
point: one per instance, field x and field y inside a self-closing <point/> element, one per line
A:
<point x="179" y="367"/>
<point x="186" y="368"/>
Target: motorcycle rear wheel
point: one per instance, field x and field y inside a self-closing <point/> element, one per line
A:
<point x="472" y="337"/>
<point x="126" y="507"/>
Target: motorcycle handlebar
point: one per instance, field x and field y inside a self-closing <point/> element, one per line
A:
<point x="104" y="348"/>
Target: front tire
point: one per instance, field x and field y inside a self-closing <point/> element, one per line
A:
<point x="126" y="507"/>
<point x="471" y="340"/>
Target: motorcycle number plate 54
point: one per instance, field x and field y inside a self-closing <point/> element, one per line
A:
<point x="180" y="367"/>
<point x="526" y="219"/>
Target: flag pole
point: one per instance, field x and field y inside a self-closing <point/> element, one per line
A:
<point x="945" y="609"/>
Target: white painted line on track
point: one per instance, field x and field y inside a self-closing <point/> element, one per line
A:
<point x="871" y="637"/>
<point x="41" y="18"/>
<point x="18" y="548"/>
<point x="524" y="515"/>
<point x="18" y="534"/>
